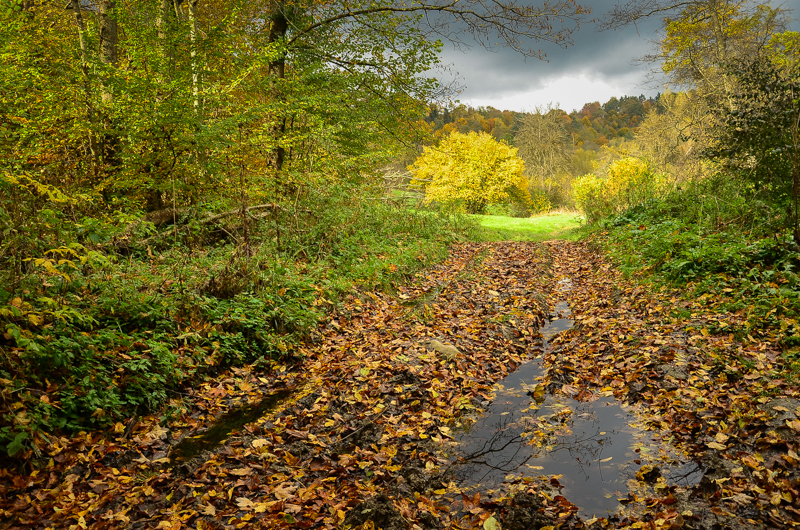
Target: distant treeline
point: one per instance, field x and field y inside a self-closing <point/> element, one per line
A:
<point x="590" y="128"/>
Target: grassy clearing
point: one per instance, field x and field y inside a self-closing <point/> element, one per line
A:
<point x="556" y="225"/>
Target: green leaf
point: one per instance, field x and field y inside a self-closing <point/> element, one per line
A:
<point x="16" y="445"/>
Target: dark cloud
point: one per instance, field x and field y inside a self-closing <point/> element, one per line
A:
<point x="610" y="57"/>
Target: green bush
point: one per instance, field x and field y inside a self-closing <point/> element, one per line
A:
<point x="92" y="340"/>
<point x="713" y="237"/>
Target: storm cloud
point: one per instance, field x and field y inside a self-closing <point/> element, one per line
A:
<point x="596" y="62"/>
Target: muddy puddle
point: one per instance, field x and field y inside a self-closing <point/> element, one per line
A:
<point x="224" y="426"/>
<point x="590" y="447"/>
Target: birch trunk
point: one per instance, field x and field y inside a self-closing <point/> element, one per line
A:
<point x="91" y="113"/>
<point x="193" y="55"/>
<point x="109" y="41"/>
<point x="109" y="57"/>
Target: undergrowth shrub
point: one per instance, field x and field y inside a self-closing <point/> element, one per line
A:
<point x="89" y="337"/>
<point x="714" y="237"/>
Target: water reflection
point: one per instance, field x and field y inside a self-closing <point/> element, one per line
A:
<point x="591" y="447"/>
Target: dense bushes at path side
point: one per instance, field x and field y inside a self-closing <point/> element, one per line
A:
<point x="717" y="240"/>
<point x="91" y="337"/>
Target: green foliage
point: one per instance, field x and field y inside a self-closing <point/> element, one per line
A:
<point x="784" y="49"/>
<point x="120" y="335"/>
<point x="758" y="139"/>
<point x="186" y="123"/>
<point x="716" y="238"/>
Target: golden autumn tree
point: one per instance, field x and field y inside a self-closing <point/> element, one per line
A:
<point x="471" y="171"/>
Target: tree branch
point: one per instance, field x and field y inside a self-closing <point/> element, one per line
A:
<point x="510" y="20"/>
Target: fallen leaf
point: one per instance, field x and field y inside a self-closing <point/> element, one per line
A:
<point x="285" y="491"/>
<point x="244" y="503"/>
<point x="491" y="524"/>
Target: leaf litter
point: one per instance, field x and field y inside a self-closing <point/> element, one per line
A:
<point x="362" y="434"/>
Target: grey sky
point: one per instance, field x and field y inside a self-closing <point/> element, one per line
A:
<point x="599" y="65"/>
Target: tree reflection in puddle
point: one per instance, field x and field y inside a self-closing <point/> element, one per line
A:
<point x="592" y="448"/>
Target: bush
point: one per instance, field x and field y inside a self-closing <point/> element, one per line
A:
<point x="713" y="238"/>
<point x="630" y="182"/>
<point x="89" y="341"/>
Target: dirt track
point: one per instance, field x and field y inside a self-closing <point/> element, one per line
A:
<point x="364" y="432"/>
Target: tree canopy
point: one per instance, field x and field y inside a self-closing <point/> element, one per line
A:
<point x="470" y="171"/>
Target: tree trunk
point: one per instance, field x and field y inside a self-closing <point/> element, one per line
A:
<point x="109" y="56"/>
<point x="91" y="113"/>
<point x="109" y="40"/>
<point x="721" y="45"/>
<point x="166" y="12"/>
<point x="193" y="55"/>
<point x="197" y="102"/>
<point x="277" y="68"/>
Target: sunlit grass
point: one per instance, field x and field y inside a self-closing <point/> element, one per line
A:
<point x="555" y="225"/>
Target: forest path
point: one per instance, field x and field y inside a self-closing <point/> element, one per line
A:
<point x="364" y="432"/>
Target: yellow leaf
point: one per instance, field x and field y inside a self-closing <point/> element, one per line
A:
<point x="491" y="524"/>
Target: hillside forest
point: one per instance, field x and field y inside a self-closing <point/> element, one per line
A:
<point x="577" y="142"/>
<point x="245" y="279"/>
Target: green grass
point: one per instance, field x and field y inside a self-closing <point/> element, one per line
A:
<point x="559" y="225"/>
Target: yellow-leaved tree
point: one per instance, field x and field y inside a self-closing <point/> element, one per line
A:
<point x="630" y="182"/>
<point x="468" y="172"/>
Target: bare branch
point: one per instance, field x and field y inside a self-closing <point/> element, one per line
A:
<point x="637" y="10"/>
<point x="510" y="21"/>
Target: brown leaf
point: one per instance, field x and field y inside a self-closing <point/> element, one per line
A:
<point x="285" y="491"/>
<point x="244" y="503"/>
